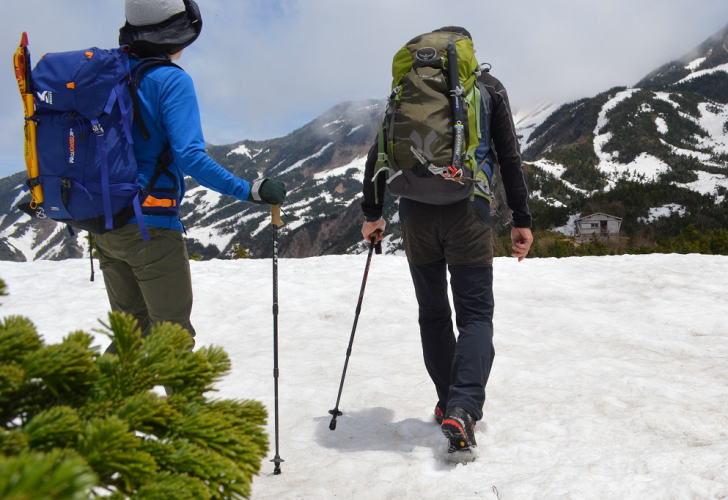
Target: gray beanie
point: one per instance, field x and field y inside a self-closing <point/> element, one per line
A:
<point x="148" y="12"/>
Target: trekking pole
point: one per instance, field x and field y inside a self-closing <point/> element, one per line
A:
<point x="372" y="245"/>
<point x="91" y="254"/>
<point x="277" y="223"/>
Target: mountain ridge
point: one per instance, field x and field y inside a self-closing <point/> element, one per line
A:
<point x="625" y="151"/>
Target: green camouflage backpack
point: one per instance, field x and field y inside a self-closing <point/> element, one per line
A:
<point x="431" y="128"/>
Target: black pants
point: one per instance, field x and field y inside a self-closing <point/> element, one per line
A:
<point x="455" y="238"/>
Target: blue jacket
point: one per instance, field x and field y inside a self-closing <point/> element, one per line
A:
<point x="169" y="109"/>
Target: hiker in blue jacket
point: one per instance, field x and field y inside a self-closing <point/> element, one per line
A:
<point x="151" y="279"/>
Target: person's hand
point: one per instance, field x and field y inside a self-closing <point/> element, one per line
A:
<point x="521" y="237"/>
<point x="268" y="191"/>
<point x="373" y="228"/>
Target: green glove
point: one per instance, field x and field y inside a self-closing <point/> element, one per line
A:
<point x="267" y="191"/>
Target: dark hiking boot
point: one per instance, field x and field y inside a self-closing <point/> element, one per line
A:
<point x="439" y="413"/>
<point x="459" y="428"/>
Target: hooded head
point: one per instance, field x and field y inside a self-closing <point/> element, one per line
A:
<point x="160" y="27"/>
<point x="456" y="29"/>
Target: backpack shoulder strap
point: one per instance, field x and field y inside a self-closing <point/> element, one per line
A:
<point x="162" y="167"/>
<point x="137" y="73"/>
<point x="486" y="94"/>
<point x="165" y="157"/>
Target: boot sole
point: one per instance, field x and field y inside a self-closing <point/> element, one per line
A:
<point x="457" y="437"/>
<point x="462" y="456"/>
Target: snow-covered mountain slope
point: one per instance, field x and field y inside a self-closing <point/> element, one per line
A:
<point x="626" y="152"/>
<point x="668" y="133"/>
<point x="321" y="163"/>
<point x="607" y="383"/>
<point x="527" y="120"/>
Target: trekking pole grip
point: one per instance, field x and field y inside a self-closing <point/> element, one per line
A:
<point x="376" y="244"/>
<point x="275" y="212"/>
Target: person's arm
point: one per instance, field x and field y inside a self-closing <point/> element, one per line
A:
<point x="180" y="117"/>
<point x="507" y="149"/>
<point x="374" y="224"/>
<point x="373" y="194"/>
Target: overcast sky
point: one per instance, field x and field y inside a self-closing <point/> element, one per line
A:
<point x="265" y="67"/>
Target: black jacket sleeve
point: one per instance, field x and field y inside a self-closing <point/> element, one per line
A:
<point x="372" y="204"/>
<point x="505" y="140"/>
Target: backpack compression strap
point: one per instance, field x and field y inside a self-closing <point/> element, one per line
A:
<point x="161" y="201"/>
<point x="102" y="148"/>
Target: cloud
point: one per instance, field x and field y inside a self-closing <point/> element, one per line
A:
<point x="264" y="67"/>
<point x="52" y="26"/>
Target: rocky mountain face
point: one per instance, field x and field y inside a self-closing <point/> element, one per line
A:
<point x="321" y="163"/>
<point x="655" y="154"/>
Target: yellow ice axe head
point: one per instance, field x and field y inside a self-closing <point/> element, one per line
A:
<point x="21" y="64"/>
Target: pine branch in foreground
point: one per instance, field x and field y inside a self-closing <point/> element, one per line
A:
<point x="75" y="423"/>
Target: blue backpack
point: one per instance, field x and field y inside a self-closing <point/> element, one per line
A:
<point x="85" y="105"/>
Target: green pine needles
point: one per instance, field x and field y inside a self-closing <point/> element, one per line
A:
<point x="75" y="423"/>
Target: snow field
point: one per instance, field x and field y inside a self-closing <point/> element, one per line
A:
<point x="712" y="120"/>
<point x="304" y="160"/>
<point x="695" y="63"/>
<point x="527" y="120"/>
<point x="243" y="150"/>
<point x="655" y="213"/>
<point x="703" y="72"/>
<point x="557" y="170"/>
<point x="609" y="379"/>
<point x="661" y="125"/>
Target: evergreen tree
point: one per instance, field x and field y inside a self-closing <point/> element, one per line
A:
<point x="240" y="252"/>
<point x="75" y="423"/>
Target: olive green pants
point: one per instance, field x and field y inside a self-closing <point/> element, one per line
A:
<point x="148" y="279"/>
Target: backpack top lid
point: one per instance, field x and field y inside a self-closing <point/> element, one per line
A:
<point x="406" y="57"/>
<point x="456" y="29"/>
<point x="79" y="81"/>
